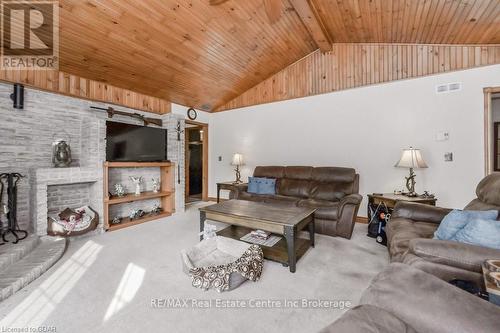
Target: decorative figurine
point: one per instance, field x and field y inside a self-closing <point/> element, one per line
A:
<point x="137" y="181"/>
<point x="137" y="213"/>
<point x="116" y="220"/>
<point x="156" y="209"/>
<point x="209" y="231"/>
<point x="156" y="185"/>
<point x="61" y="154"/>
<point x="427" y="195"/>
<point x="119" y="190"/>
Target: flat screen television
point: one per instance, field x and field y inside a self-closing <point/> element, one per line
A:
<point x="133" y="143"/>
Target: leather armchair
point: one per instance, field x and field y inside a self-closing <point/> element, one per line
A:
<point x="405" y="299"/>
<point x="419" y="212"/>
<point x="332" y="191"/>
<point x="449" y="260"/>
<point x="412" y="228"/>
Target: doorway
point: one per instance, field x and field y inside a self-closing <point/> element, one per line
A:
<point x="492" y="129"/>
<point x="196" y="159"/>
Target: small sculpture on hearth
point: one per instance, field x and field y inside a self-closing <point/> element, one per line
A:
<point x="156" y="185"/>
<point x="116" y="220"/>
<point x="136" y="214"/>
<point x="119" y="190"/>
<point x="156" y="209"/>
<point x="137" y="181"/>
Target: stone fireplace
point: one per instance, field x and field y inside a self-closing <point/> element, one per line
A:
<point x="55" y="189"/>
<point x="27" y="149"/>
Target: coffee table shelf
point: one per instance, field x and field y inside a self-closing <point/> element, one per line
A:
<point x="278" y="252"/>
<point x="286" y="221"/>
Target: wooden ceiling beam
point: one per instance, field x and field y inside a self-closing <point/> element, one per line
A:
<point x="312" y="21"/>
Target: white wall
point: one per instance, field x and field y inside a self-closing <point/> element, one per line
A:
<point x="366" y="128"/>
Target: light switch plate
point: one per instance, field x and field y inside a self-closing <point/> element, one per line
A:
<point x="220" y="158"/>
<point x="442" y="136"/>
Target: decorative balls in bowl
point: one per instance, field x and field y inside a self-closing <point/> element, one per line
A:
<point x="496" y="278"/>
<point x="493" y="265"/>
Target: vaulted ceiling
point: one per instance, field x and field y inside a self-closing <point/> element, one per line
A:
<point x="412" y="21"/>
<point x="195" y="54"/>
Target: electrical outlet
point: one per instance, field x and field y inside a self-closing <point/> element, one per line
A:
<point x="448" y="157"/>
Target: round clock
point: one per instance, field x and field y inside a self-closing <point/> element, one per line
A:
<point x="192" y="113"/>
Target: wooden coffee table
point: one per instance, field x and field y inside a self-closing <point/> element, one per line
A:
<point x="245" y="216"/>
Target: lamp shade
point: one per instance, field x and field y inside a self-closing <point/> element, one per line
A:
<point x="411" y="158"/>
<point x="237" y="159"/>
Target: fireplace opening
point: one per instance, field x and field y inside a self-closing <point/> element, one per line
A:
<point x="69" y="212"/>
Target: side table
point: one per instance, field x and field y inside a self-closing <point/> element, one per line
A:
<point x="491" y="288"/>
<point x="391" y="199"/>
<point x="230" y="186"/>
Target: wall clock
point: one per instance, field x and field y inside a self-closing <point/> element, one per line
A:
<point x="191" y="113"/>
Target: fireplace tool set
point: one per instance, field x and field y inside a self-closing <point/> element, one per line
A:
<point x="10" y="210"/>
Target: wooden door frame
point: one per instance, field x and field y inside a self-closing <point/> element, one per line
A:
<point x="496" y="166"/>
<point x="488" y="144"/>
<point x="204" y="127"/>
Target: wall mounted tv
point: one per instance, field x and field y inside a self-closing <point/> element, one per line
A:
<point x="133" y="143"/>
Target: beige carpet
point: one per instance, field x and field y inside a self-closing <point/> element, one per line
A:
<point x="107" y="283"/>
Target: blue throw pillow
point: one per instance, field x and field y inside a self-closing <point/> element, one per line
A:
<point x="258" y="185"/>
<point x="456" y="220"/>
<point x="267" y="186"/>
<point x="480" y="232"/>
<point x="253" y="185"/>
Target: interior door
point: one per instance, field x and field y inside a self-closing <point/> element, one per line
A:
<point x="194" y="164"/>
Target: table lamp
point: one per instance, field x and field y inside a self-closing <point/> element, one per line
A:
<point x="237" y="161"/>
<point x="412" y="159"/>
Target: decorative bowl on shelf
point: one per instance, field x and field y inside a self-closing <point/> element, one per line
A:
<point x="493" y="265"/>
<point x="496" y="278"/>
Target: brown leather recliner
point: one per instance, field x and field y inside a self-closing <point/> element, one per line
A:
<point x="332" y="190"/>
<point x="412" y="227"/>
<point x="405" y="299"/>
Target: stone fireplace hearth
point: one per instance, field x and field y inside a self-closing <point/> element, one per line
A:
<point x="57" y="188"/>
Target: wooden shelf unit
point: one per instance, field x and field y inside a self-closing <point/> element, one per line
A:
<point x="166" y="194"/>
<point x="130" y="197"/>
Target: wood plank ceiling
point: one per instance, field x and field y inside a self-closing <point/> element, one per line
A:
<point x="194" y="54"/>
<point x="411" y="21"/>
<point x="185" y="51"/>
<point x="355" y="65"/>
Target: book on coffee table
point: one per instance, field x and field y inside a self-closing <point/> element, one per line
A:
<point x="260" y="234"/>
<point x="270" y="241"/>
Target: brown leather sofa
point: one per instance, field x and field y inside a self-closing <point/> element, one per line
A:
<point x="412" y="227"/>
<point x="332" y="190"/>
<point x="405" y="299"/>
